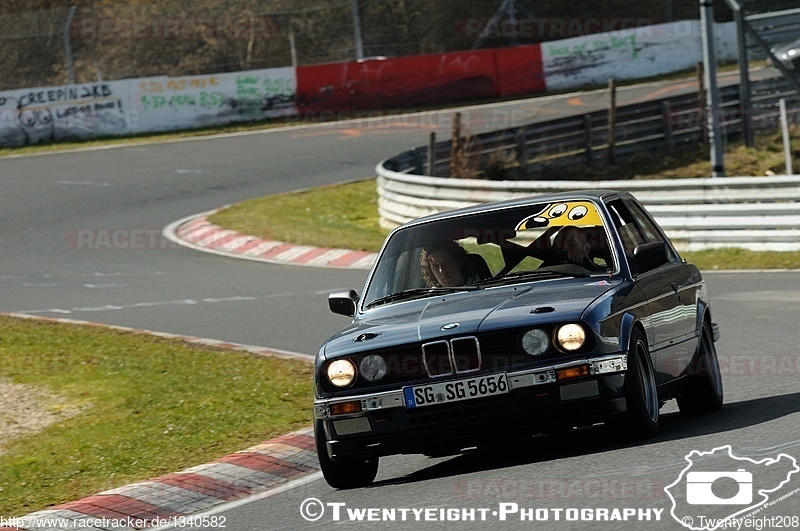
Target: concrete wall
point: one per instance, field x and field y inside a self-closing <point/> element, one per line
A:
<point x="31" y="116"/>
<point x="631" y="54"/>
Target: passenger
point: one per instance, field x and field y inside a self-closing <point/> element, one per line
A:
<point x="571" y="247"/>
<point x="446" y="264"/>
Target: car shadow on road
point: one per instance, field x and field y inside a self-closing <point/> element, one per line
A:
<point x="599" y="439"/>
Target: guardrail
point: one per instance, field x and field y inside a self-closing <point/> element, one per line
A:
<point x="757" y="213"/>
<point x="583" y="140"/>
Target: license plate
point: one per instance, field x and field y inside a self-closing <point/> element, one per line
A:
<point x="444" y="392"/>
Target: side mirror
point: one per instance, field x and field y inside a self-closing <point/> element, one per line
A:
<point x="650" y="256"/>
<point x="343" y="302"/>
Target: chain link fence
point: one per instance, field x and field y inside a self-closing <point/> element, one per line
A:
<point x="50" y="42"/>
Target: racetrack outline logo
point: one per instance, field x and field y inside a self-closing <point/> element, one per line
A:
<point x="697" y="506"/>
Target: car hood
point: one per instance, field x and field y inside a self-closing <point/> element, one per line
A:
<point x="473" y="312"/>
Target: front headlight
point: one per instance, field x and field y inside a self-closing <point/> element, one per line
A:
<point x="570" y="337"/>
<point x="535" y="342"/>
<point x="373" y="367"/>
<point x="341" y="373"/>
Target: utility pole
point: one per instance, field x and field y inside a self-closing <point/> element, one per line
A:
<point x="357" y="30"/>
<point x="68" y="45"/>
<point x="509" y="9"/>
<point x="712" y="89"/>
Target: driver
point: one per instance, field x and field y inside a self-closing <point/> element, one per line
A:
<point x="446" y="264"/>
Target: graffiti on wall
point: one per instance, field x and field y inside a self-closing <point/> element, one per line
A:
<point x="630" y="54"/>
<point x="199" y="101"/>
<point x="58" y="113"/>
<point x="133" y="106"/>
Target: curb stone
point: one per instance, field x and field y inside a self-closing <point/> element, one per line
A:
<point x="165" y="499"/>
<point x="198" y="233"/>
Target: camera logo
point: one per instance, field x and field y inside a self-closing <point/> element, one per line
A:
<point x="700" y="488"/>
<point x="717" y="487"/>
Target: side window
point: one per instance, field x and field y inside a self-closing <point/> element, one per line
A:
<point x="623" y="221"/>
<point x="647" y="229"/>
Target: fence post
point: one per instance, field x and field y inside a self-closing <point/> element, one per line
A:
<point x="431" y="154"/>
<point x="612" y="122"/>
<point x="666" y="117"/>
<point x="455" y="145"/>
<point x="587" y="137"/>
<point x="522" y="152"/>
<point x="701" y="103"/>
<point x="416" y="154"/>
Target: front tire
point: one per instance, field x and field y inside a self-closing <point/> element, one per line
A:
<point x="350" y="473"/>
<point x="703" y="392"/>
<point x="642" y="418"/>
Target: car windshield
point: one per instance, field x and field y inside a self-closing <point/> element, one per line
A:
<point x="520" y="244"/>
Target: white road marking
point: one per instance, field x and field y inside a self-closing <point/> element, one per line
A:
<point x="83" y="183"/>
<point x="115" y="307"/>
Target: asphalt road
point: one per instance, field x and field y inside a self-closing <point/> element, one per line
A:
<point x="60" y="211"/>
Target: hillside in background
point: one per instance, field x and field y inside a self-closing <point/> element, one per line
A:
<point x="111" y="39"/>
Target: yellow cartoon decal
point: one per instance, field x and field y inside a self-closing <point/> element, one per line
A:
<point x="580" y="213"/>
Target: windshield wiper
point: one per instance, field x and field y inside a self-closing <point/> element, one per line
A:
<point x="410" y="293"/>
<point x="529" y="275"/>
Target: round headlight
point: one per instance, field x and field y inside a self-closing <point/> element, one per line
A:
<point x="535" y="342"/>
<point x="571" y="337"/>
<point x="341" y="373"/>
<point x="373" y="367"/>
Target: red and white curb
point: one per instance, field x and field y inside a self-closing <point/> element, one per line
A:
<point x="172" y="499"/>
<point x="196" y="232"/>
<point x="169" y="500"/>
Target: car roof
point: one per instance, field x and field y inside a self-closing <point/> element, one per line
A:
<point x="598" y="196"/>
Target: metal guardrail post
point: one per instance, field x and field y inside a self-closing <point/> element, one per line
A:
<point x="712" y="92"/>
<point x="787" y="145"/>
<point x="745" y="101"/>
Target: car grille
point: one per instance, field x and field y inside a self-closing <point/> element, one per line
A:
<point x="460" y="355"/>
<point x="436" y="357"/>
<point x="466" y="354"/>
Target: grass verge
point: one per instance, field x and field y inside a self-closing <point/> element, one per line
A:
<point x="147" y="406"/>
<point x="346" y="216"/>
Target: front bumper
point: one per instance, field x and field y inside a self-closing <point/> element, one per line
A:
<point x="536" y="401"/>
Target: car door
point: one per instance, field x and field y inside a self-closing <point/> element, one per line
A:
<point x="661" y="286"/>
<point x="685" y="280"/>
